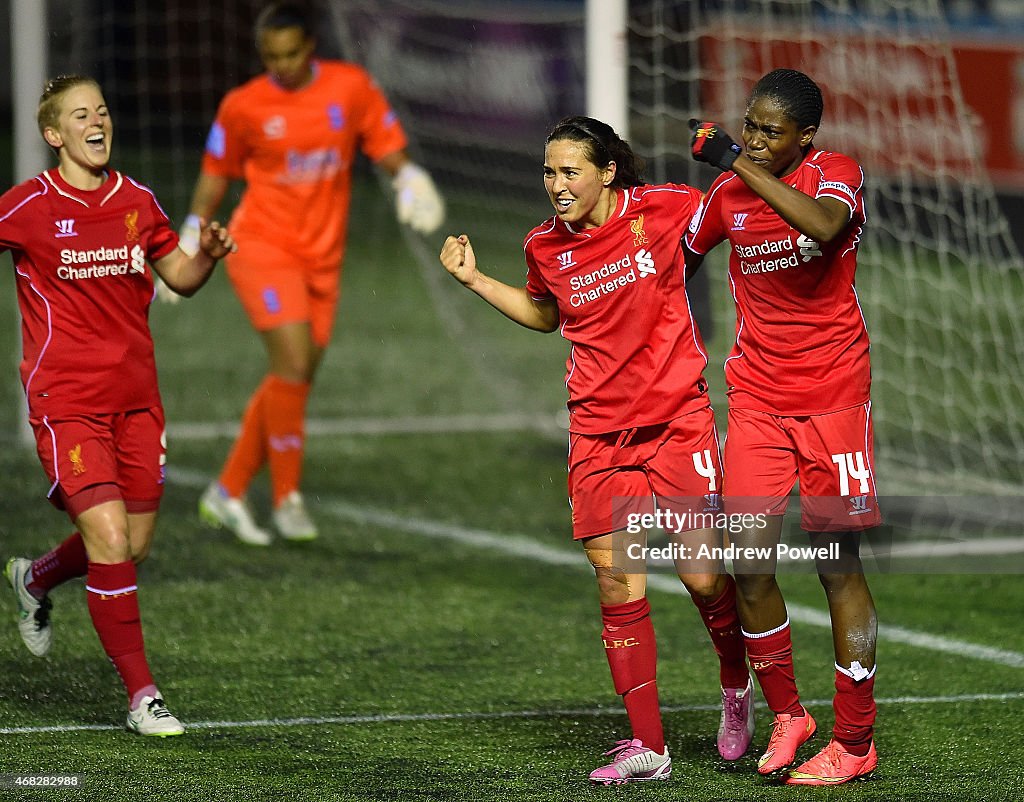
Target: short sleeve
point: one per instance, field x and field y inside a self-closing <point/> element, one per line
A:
<point x="842" y="179"/>
<point x="225" y="153"/>
<point x="163" y="239"/>
<point x="381" y="134"/>
<point x="706" y="229"/>
<point x="536" y="287"/>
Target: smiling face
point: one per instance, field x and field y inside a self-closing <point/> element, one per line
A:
<point x="579" y="190"/>
<point x="82" y="135"/>
<point x="287" y="54"/>
<point x="772" y="139"/>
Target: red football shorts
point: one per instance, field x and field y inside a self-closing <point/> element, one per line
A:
<point x="672" y="466"/>
<point x="276" y="288"/>
<point x="91" y="459"/>
<point x="831" y="455"/>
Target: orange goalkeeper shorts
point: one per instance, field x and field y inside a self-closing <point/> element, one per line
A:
<point x="276" y="288"/>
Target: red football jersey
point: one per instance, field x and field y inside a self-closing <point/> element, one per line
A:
<point x="637" y="358"/>
<point x="801" y="344"/>
<point x="84" y="291"/>
<point x="295" y="150"/>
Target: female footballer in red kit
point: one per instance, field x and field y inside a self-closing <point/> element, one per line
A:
<point x="81" y="236"/>
<point x="799" y="382"/>
<point x="607" y="270"/>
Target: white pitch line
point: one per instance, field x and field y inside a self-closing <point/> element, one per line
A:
<point x="523" y="546"/>
<point x="551" y="424"/>
<point x="403" y="718"/>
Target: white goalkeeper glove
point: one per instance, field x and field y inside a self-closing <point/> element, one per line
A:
<point x="188" y="236"/>
<point x="417" y="201"/>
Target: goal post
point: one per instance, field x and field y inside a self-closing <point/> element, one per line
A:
<point x="28" y="69"/>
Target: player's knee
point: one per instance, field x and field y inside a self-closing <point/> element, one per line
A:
<point x="140" y="552"/>
<point x="841" y="579"/>
<point x="110" y="545"/>
<point x="613" y="585"/>
<point x="703" y="586"/>
<point x="752" y="589"/>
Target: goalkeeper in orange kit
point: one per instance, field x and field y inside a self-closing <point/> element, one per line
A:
<point x="292" y="134"/>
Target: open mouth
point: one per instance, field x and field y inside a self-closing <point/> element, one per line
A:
<point x="96" y="142"/>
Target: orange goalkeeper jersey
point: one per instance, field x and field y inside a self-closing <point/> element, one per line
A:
<point x="295" y="151"/>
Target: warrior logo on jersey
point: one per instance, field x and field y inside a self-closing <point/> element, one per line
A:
<point x="639" y="235"/>
<point x="565" y="260"/>
<point x="65" y="228"/>
<point x="739" y="221"/>
<point x="131" y="224"/>
<point x="75" y="455"/>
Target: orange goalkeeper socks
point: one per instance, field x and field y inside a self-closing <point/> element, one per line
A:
<point x="284" y="419"/>
<point x="249" y="452"/>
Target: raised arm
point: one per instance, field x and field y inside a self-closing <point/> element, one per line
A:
<point x="514" y="302"/>
<point x="821" y="219"/>
<point x="185" y="273"/>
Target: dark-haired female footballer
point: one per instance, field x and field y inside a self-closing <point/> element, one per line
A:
<point x="608" y="271"/>
<point x="799" y="383"/>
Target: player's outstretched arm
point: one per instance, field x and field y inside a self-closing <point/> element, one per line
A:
<point x="185" y="274"/>
<point x="515" y="303"/>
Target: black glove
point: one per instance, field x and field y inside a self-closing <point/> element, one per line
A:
<point x="711" y="144"/>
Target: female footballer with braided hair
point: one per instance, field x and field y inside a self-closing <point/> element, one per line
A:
<point x="799" y="383"/>
<point x="608" y="270"/>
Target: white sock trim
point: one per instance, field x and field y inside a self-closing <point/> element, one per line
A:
<point x="856" y="671"/>
<point x="116" y="592"/>
<point x="777" y="629"/>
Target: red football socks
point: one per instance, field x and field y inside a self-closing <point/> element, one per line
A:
<point x="67" y="561"/>
<point x="723" y="624"/>
<point x="854" y="707"/>
<point x="114" y="607"/>
<point x="629" y="644"/>
<point x="771" y="657"/>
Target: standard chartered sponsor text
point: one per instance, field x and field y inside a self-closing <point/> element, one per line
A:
<point x="104" y="262"/>
<point x="749" y="264"/>
<point x="603" y="281"/>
